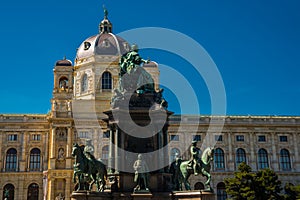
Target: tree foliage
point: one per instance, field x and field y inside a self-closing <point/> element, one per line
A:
<point x="291" y="192"/>
<point x="247" y="185"/>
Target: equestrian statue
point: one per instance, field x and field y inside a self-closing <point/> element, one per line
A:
<point x="88" y="170"/>
<point x="197" y="165"/>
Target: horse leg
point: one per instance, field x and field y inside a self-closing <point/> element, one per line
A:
<point x="79" y="180"/>
<point x="208" y="177"/>
<point x="100" y="183"/>
<point x="93" y="176"/>
<point x="102" y="180"/>
<point x="186" y="182"/>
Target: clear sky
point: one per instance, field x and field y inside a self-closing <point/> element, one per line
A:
<point x="254" y="44"/>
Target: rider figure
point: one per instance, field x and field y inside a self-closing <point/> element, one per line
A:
<point x="90" y="157"/>
<point x="195" y="151"/>
<point x="130" y="60"/>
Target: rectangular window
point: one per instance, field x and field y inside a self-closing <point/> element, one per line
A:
<point x="197" y="138"/>
<point x="12" y="137"/>
<point x="240" y="138"/>
<point x="106" y="134"/>
<point x="283" y="138"/>
<point x="83" y="134"/>
<point x="36" y="137"/>
<point x="218" y="138"/>
<point x="261" y="138"/>
<point x="174" y="137"/>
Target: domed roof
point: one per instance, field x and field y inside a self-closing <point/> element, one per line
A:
<point x="63" y="62"/>
<point x="103" y="44"/>
<point x="151" y="64"/>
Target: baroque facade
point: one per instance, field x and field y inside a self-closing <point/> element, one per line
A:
<point x="35" y="150"/>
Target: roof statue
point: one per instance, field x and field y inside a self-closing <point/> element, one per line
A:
<point x="105" y="12"/>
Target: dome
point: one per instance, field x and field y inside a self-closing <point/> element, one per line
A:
<point x="63" y="62"/>
<point x="151" y="64"/>
<point x="103" y="44"/>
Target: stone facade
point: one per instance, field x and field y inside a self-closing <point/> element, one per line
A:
<point x="35" y="150"/>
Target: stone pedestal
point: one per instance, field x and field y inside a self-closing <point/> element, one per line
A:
<point x="86" y="195"/>
<point x="159" y="182"/>
<point x="141" y="196"/>
<point x="180" y="195"/>
<point x="193" y="195"/>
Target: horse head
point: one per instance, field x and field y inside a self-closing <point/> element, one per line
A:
<point x="207" y="155"/>
<point x="76" y="150"/>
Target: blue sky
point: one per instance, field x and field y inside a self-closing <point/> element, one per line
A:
<point x="254" y="44"/>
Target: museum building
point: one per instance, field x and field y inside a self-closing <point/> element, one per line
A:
<point x="35" y="149"/>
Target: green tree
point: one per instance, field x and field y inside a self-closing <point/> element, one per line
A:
<point x="241" y="186"/>
<point x="247" y="185"/>
<point x="292" y="192"/>
<point x="267" y="185"/>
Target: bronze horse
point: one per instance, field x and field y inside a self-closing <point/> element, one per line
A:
<point x="91" y="168"/>
<point x="203" y="167"/>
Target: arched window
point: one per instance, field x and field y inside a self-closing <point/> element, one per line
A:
<point x="35" y="160"/>
<point x="33" y="192"/>
<point x="105" y="153"/>
<point x="84" y="83"/>
<point x="240" y="156"/>
<point x="285" y="161"/>
<point x="219" y="159"/>
<point x="221" y="193"/>
<point x="106" y="81"/>
<point x="199" y="186"/>
<point x="63" y="83"/>
<point x="263" y="159"/>
<point x="9" y="192"/>
<point x="173" y="153"/>
<point x="11" y="160"/>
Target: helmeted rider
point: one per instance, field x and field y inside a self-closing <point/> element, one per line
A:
<point x="195" y="156"/>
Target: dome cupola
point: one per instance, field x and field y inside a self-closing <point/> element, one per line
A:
<point x="105" y="26"/>
<point x="105" y="43"/>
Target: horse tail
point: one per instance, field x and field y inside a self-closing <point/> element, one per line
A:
<point x="105" y="172"/>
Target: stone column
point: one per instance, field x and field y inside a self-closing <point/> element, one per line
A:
<point x="45" y="149"/>
<point x="69" y="142"/>
<point x="274" y="153"/>
<point x="110" y="153"/>
<point x="160" y="147"/>
<point x="122" y="155"/>
<point x="117" y="156"/>
<point x="24" y="164"/>
<point x="252" y="162"/>
<point x="51" y="187"/>
<point x="53" y="133"/>
<point x="296" y="152"/>
<point x="68" y="188"/>
<point x="230" y="157"/>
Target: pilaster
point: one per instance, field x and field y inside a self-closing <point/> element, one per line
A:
<point x="252" y="161"/>
<point x="296" y="152"/>
<point x="69" y="149"/>
<point x="274" y="163"/>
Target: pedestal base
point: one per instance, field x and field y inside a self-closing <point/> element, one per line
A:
<point x="193" y="195"/>
<point x="141" y="196"/>
<point x="84" y="195"/>
<point x="180" y="195"/>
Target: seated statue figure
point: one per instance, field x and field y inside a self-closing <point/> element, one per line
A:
<point x="194" y="160"/>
